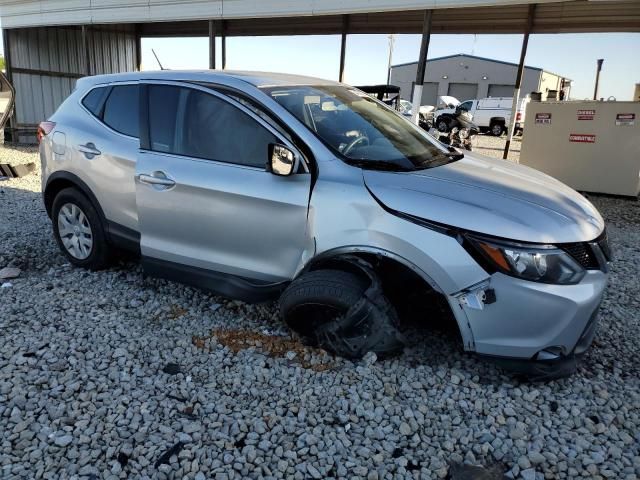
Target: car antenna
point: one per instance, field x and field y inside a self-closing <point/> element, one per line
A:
<point x="157" y="59"/>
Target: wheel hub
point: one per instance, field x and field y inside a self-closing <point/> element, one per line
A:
<point x="75" y="231"/>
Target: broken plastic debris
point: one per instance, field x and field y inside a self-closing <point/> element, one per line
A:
<point x="7" y="285"/>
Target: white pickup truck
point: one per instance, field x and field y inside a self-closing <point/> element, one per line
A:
<point x="491" y="114"/>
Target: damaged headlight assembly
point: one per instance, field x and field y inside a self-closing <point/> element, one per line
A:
<point x="537" y="263"/>
<point x="533" y="262"/>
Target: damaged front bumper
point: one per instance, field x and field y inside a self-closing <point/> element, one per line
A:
<point x="535" y="328"/>
<point x="550" y="364"/>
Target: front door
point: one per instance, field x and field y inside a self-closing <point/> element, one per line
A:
<point x="206" y="202"/>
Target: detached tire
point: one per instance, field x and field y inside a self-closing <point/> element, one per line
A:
<point x="342" y="313"/>
<point x="79" y="231"/>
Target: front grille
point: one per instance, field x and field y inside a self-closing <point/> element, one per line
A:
<point x="582" y="253"/>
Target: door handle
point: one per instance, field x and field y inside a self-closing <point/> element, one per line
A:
<point x="89" y="150"/>
<point x="158" y="179"/>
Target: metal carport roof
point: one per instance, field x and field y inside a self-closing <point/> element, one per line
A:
<point x="275" y="17"/>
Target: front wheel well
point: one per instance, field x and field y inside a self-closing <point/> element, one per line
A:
<point x="415" y="300"/>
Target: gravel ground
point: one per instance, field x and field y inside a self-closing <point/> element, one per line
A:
<point x="111" y="375"/>
<point x="494" y="146"/>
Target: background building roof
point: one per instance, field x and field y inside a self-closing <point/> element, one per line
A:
<point x="486" y="59"/>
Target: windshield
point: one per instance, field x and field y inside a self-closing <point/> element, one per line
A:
<point x="360" y="130"/>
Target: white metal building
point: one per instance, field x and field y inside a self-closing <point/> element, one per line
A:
<point x="467" y="76"/>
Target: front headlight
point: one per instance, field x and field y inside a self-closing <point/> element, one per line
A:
<point x="538" y="263"/>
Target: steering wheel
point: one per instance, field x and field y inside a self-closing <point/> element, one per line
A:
<point x="353" y="143"/>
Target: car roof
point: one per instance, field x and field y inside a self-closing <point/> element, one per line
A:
<point x="258" y="79"/>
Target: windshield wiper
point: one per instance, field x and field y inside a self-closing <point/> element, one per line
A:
<point x="454" y="155"/>
<point x="377" y="165"/>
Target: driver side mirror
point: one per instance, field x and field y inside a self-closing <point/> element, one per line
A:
<point x="282" y="161"/>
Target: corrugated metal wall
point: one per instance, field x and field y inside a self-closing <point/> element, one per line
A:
<point x="46" y="61"/>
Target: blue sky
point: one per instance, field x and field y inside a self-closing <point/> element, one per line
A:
<point x="570" y="55"/>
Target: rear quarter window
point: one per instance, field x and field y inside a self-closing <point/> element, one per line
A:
<point x="121" y="110"/>
<point x="94" y="100"/>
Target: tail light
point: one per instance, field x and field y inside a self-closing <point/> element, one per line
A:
<point x="44" y="129"/>
<point x="518" y="116"/>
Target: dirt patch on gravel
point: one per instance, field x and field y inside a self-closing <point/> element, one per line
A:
<point x="272" y="345"/>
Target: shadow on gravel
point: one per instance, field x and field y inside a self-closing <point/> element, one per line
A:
<point x="471" y="472"/>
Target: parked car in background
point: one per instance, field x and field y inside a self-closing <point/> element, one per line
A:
<point x="405" y="108"/>
<point x="264" y="186"/>
<point x="492" y="115"/>
<point x="425" y="116"/>
<point x="462" y="131"/>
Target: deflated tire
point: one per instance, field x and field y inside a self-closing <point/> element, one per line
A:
<point x="343" y="313"/>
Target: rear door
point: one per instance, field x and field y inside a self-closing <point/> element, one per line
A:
<point x="101" y="137"/>
<point x="205" y="198"/>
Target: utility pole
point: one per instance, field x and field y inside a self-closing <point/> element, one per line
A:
<point x="392" y="40"/>
<point x="595" y="90"/>
<point x="416" y="98"/>
<point x="343" y="46"/>
<point x="516" y="93"/>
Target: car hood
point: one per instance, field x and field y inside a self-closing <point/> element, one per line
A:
<point x="447" y="100"/>
<point x="490" y="196"/>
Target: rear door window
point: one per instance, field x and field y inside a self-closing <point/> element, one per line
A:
<point x="121" y="110"/>
<point x="163" y="115"/>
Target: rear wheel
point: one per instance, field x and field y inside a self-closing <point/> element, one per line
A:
<point x="338" y="312"/>
<point x="79" y="231"/>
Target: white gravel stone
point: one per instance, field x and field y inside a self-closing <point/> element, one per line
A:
<point x="81" y="381"/>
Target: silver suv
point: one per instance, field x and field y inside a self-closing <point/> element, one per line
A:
<point x="263" y="186"/>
